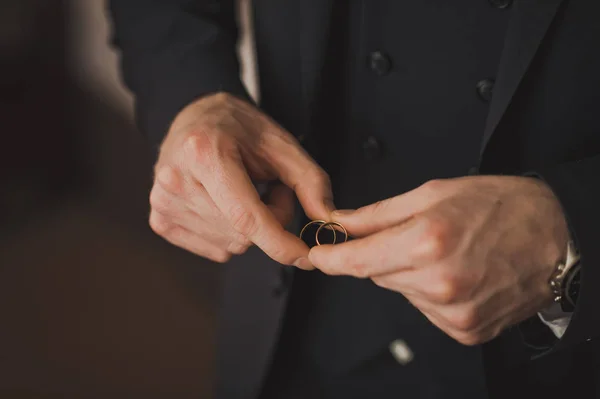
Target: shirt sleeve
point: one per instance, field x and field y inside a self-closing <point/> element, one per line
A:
<point x="556" y="319"/>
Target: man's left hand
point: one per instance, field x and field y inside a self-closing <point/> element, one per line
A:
<point x="473" y="254"/>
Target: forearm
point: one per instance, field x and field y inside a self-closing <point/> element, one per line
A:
<point x="172" y="52"/>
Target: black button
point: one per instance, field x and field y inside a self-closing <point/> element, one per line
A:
<point x="371" y="148"/>
<point x="284" y="281"/>
<point x="473" y="171"/>
<point x="485" y="89"/>
<point x="500" y="3"/>
<point x="380" y="63"/>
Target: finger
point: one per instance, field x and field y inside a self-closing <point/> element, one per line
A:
<point x="163" y="201"/>
<point x="169" y="178"/>
<point x="198" y="201"/>
<point x="486" y="313"/>
<point x="232" y="241"/>
<point x="299" y="171"/>
<point x="468" y="323"/>
<point x="392" y="211"/>
<point x="177" y="210"/>
<point x="190" y="242"/>
<point x="188" y="204"/>
<point x="183" y="238"/>
<point x="281" y="203"/>
<point x="396" y="281"/>
<point x="439" y="284"/>
<point x="433" y="314"/>
<point x="221" y="172"/>
<point x="182" y="190"/>
<point x="387" y="251"/>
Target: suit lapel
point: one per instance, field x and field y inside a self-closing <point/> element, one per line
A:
<point x="314" y="32"/>
<point x="529" y="22"/>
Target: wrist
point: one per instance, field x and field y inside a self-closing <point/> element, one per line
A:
<point x="556" y="225"/>
<point x="564" y="257"/>
<point x="564" y="280"/>
<point x="554" y="236"/>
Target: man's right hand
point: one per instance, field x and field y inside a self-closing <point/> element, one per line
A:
<point x="203" y="198"/>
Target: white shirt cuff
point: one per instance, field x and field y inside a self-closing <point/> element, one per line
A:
<point x="556" y="319"/>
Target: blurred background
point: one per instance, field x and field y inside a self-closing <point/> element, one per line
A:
<point x="92" y="303"/>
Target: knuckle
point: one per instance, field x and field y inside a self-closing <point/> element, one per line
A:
<point x="159" y="224"/>
<point x="445" y="291"/>
<point x="237" y="247"/>
<point x="317" y="176"/>
<point x="168" y="178"/>
<point x="436" y="239"/>
<point x="469" y="339"/>
<point x="220" y="256"/>
<point x="433" y="186"/>
<point x="159" y="200"/>
<point x="243" y="221"/>
<point x="360" y="270"/>
<point x="197" y="147"/>
<point x="466" y="320"/>
<point x="223" y="97"/>
<point x="381" y="282"/>
<point x="280" y="254"/>
<point x="241" y="239"/>
<point x="323" y="177"/>
<point x="379" y="207"/>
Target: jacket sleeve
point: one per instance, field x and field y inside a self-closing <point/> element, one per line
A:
<point x="577" y="186"/>
<point x="173" y="52"/>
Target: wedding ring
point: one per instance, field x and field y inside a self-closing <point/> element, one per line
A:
<point x="322" y="222"/>
<point x="334" y="235"/>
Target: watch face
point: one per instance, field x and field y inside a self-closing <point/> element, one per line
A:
<point x="572" y="284"/>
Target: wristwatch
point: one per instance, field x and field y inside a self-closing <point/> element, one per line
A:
<point x="565" y="281"/>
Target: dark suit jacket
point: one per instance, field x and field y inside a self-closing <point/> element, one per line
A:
<point x="542" y="119"/>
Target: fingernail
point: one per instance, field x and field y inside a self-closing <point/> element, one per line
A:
<point x="342" y="212"/>
<point x="303" y="263"/>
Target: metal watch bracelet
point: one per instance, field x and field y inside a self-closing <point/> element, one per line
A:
<point x="557" y="281"/>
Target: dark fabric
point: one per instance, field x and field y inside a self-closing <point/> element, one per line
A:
<point x="173" y="53"/>
<point x="428" y="121"/>
<point x="339" y="323"/>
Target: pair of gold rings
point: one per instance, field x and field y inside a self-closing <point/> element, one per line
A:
<point x="329" y="225"/>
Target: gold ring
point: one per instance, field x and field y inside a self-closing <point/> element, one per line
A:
<point x="322" y="222"/>
<point x="334" y="236"/>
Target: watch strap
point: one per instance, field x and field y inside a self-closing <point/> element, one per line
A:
<point x="560" y="277"/>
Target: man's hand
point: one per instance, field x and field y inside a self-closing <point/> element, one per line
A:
<point x="203" y="198"/>
<point x="474" y="254"/>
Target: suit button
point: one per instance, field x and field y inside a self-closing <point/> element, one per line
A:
<point x="371" y="148"/>
<point x="401" y="352"/>
<point x="473" y="171"/>
<point x="500" y="3"/>
<point x="485" y="89"/>
<point x="380" y="63"/>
